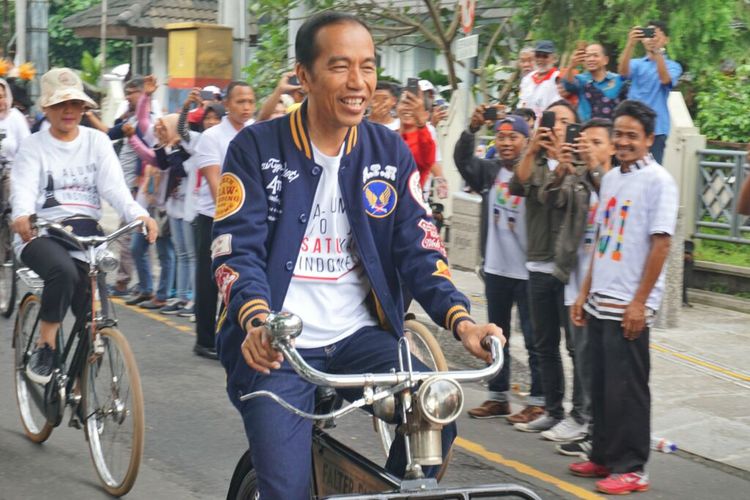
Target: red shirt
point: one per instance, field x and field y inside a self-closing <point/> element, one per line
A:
<point x="422" y="148"/>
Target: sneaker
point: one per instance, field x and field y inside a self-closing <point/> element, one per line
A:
<point x="490" y="409"/>
<point x="41" y="364"/>
<point x="580" y="448"/>
<point x="622" y="484"/>
<point x="205" y="352"/>
<point x="526" y="415"/>
<point x="567" y="430"/>
<point x="119" y="290"/>
<point x="588" y="469"/>
<point x="187" y="310"/>
<point x="543" y="423"/>
<point x="141" y="297"/>
<point x="154" y="303"/>
<point x="174" y="308"/>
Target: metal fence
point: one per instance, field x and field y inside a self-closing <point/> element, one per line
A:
<point x="720" y="177"/>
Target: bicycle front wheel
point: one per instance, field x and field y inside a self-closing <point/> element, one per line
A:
<point x="29" y="395"/>
<point x="424" y="347"/>
<point x="113" y="412"/>
<point x="8" y="285"/>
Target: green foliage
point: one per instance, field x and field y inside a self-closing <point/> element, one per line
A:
<point x="724" y="105"/>
<point x="91" y="68"/>
<point x="382" y="77"/>
<point x="722" y="252"/>
<point x="66" y="49"/>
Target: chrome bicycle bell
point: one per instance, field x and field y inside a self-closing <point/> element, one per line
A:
<point x="283" y="326"/>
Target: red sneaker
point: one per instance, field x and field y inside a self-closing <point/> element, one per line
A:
<point x="622" y="484"/>
<point x="588" y="469"/>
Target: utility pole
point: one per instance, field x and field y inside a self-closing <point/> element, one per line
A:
<point x="38" y="40"/>
<point x="233" y="13"/>
<point x="103" y="37"/>
<point x="295" y="20"/>
<point x="20" y="32"/>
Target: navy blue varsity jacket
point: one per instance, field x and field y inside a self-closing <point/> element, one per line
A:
<point x="266" y="192"/>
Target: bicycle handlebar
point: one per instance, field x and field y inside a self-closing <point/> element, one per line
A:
<point x="283" y="327"/>
<point x="87" y="241"/>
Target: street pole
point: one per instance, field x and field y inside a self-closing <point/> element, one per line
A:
<point x="103" y="37"/>
<point x="20" y="32"/>
<point x="38" y="40"/>
<point x="233" y="13"/>
<point x="294" y="21"/>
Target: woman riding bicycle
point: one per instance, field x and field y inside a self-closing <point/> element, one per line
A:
<point x="13" y="128"/>
<point x="62" y="174"/>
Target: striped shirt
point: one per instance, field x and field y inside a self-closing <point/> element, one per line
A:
<point x="603" y="307"/>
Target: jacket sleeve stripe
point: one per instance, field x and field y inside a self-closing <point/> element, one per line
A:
<point x="456" y="317"/>
<point x="453" y="310"/>
<point x="253" y="306"/>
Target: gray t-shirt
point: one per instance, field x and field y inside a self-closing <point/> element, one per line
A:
<point x="129" y="160"/>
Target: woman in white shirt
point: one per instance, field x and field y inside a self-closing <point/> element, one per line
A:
<point x="62" y="174"/>
<point x="13" y="126"/>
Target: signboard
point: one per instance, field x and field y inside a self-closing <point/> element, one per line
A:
<point x="467" y="47"/>
<point x="468" y="8"/>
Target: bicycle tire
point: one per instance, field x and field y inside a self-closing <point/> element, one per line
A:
<point x="34" y="421"/>
<point x="244" y="483"/>
<point x="105" y="409"/>
<point x="424" y="342"/>
<point x="8" y="281"/>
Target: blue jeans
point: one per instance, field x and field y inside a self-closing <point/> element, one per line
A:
<point x="501" y="293"/>
<point x="657" y="149"/>
<point x="141" y="257"/>
<point x="183" y="241"/>
<point x="281" y="443"/>
<point x="165" y="250"/>
<point x="139" y="251"/>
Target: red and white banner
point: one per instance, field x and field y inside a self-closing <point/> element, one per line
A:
<point x="468" y="8"/>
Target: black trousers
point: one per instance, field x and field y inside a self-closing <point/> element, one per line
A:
<point x="546" y="303"/>
<point x="621" y="400"/>
<point x="206" y="292"/>
<point x="65" y="278"/>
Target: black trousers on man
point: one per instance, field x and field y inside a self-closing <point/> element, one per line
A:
<point x="621" y="400"/>
<point x="206" y="291"/>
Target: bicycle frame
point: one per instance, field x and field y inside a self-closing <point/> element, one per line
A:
<point x="63" y="383"/>
<point x="340" y="472"/>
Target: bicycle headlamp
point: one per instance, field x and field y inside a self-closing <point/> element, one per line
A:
<point x="106" y="260"/>
<point x="440" y="400"/>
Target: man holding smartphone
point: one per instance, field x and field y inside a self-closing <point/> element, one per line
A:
<point x="651" y="77"/>
<point x="599" y="91"/>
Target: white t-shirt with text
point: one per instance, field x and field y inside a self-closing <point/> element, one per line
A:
<point x="329" y="287"/>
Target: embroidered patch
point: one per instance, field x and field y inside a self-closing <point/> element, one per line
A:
<point x="225" y="278"/>
<point x="416" y="192"/>
<point x="231" y="196"/>
<point x="442" y="270"/>
<point x="222" y="245"/>
<point x="377" y="170"/>
<point x="432" y="239"/>
<point x="380" y="199"/>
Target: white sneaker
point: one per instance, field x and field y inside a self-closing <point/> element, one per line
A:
<point x="542" y="423"/>
<point x="566" y="430"/>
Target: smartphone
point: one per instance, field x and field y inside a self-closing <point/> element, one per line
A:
<point x="207" y="95"/>
<point x="412" y="85"/>
<point x="490" y="114"/>
<point x="572" y="132"/>
<point x="581" y="44"/>
<point x="293" y="80"/>
<point x="648" y="32"/>
<point x="548" y="119"/>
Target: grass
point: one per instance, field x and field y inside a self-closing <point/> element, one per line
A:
<point x="736" y="254"/>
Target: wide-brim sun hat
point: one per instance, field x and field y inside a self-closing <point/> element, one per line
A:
<point x="60" y="85"/>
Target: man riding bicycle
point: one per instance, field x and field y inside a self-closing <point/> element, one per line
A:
<point x="320" y="214"/>
<point x="62" y="174"/>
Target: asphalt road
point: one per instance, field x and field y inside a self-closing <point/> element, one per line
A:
<point x="194" y="438"/>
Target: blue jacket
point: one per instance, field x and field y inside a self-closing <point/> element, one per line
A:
<point x="266" y="192"/>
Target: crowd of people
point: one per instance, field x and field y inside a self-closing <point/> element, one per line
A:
<point x="577" y="216"/>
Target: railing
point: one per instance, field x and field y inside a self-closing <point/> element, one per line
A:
<point x="720" y="177"/>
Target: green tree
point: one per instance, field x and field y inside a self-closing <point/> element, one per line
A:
<point x="66" y="49"/>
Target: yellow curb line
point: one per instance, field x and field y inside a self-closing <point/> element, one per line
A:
<point x="704" y="364"/>
<point x="155" y="316"/>
<point x="478" y="449"/>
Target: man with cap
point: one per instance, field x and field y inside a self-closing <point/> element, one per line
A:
<point x="504" y="253"/>
<point x="539" y="88"/>
<point x="62" y="174"/>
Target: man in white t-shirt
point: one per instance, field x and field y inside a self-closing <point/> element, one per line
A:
<point x="319" y="214"/>
<point x="538" y="89"/>
<point x="621" y="293"/>
<point x="239" y="102"/>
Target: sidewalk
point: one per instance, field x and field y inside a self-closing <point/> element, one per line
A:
<point x="700" y="383"/>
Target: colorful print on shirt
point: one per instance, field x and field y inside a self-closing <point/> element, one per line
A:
<point x="505" y="202"/>
<point x="613" y="218"/>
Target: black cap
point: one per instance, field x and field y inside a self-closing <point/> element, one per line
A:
<point x="545" y="46"/>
